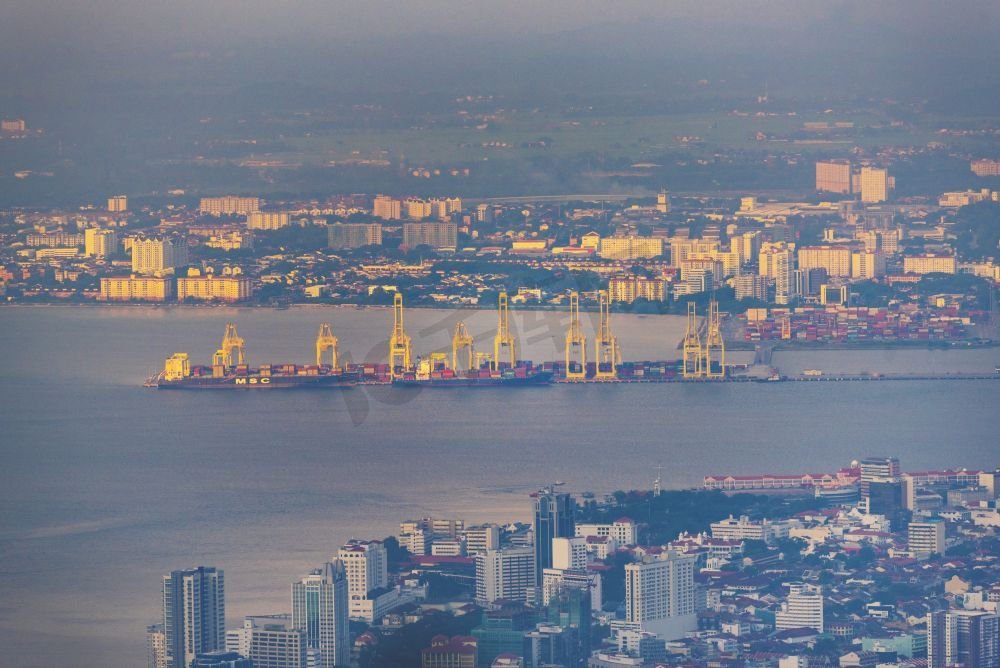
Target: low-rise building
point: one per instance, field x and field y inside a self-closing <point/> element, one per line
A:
<point x="267" y="220"/>
<point x="930" y="264"/>
<point x="627" y="289"/>
<point x="136" y="288"/>
<point x="229" y="205"/>
<point x="211" y="287"/>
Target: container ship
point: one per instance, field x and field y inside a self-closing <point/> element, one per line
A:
<point x="229" y="370"/>
<point x="428" y="374"/>
<point x="464" y="367"/>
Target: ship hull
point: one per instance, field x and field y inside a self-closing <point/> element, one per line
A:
<point x="259" y="383"/>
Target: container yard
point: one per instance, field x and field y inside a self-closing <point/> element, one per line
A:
<point x="840" y="324"/>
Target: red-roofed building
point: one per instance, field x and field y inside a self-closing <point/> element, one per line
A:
<point x="841" y="478"/>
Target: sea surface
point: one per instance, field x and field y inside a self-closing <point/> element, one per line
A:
<point x="106" y="485"/>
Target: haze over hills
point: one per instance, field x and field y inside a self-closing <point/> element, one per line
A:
<point x="160" y="52"/>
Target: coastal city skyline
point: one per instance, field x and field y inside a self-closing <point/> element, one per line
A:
<point x="503" y="335"/>
<point x="512" y="572"/>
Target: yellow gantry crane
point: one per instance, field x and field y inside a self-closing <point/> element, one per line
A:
<point x="504" y="340"/>
<point x="325" y="341"/>
<point x="462" y="341"/>
<point x="400" y="349"/>
<point x="231" y="341"/>
<point x="576" y="342"/>
<point x="607" y="354"/>
<point x="692" y="345"/>
<point x="715" y="345"/>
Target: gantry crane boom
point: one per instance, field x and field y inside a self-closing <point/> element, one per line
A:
<point x="715" y="345"/>
<point x="692" y="345"/>
<point x="504" y="340"/>
<point x="576" y="342"/>
<point x="607" y="355"/>
<point x="462" y="340"/>
<point x="400" y="350"/>
<point x="231" y="340"/>
<point x="325" y="341"/>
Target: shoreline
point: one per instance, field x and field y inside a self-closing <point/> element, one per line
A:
<point x="541" y="308"/>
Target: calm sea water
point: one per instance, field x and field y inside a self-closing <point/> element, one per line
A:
<point x="104" y="485"/>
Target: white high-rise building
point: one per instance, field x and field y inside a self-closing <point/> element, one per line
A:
<point x="320" y="607"/>
<point x="367" y="569"/>
<point x="867" y="264"/>
<point x="387" y="208"/>
<point x="660" y="594"/>
<point x="194" y="614"/>
<point x="484" y="213"/>
<point x="504" y="574"/>
<point x="157" y="256"/>
<point x="267" y="220"/>
<point x="569" y="553"/>
<point x="747" y="245"/>
<point x="278" y="645"/>
<point x="482" y="538"/>
<point x="416" y="542"/>
<point x="156" y="647"/>
<point x="622" y="530"/>
<point x="553" y="579"/>
<point x="926" y="538"/>
<point x="802" y="609"/>
<point x="100" y="243"/>
<point x="777" y="261"/>
<point x="963" y="638"/>
<point x="876" y="185"/>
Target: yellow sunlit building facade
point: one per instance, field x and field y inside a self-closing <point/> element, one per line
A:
<point x="136" y="288"/>
<point x="215" y="288"/>
<point x="628" y="289"/>
<point x="630" y="248"/>
<point x="228" y="205"/>
<point x="267" y="220"/>
<point x="834" y="176"/>
<point x="930" y="264"/>
<point x="835" y="259"/>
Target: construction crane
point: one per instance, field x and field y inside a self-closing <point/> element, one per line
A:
<point x="504" y="339"/>
<point x="576" y="342"/>
<point x="607" y="355"/>
<point x="715" y="345"/>
<point x="325" y="341"/>
<point x="231" y="341"/>
<point x="400" y="352"/>
<point x="692" y="345"/>
<point x="460" y="341"/>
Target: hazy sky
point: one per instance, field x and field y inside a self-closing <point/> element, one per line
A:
<point x="61" y="50"/>
<point x="46" y="21"/>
